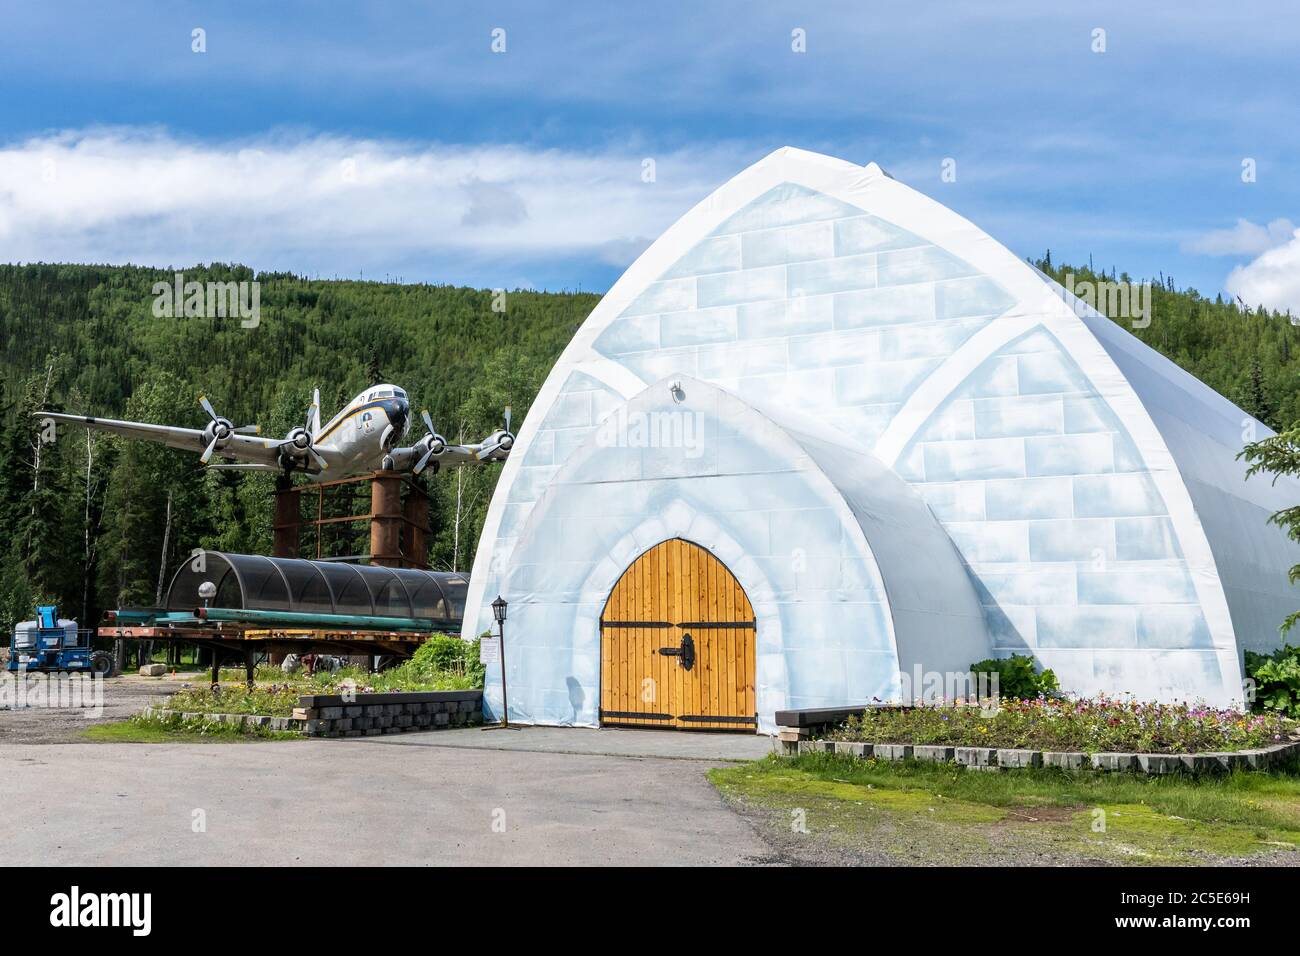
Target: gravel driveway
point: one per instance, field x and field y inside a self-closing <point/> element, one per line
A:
<point x="123" y="696"/>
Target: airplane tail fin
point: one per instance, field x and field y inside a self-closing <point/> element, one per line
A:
<point x="314" y="426"/>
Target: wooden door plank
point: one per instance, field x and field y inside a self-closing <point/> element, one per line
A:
<point x="646" y="604"/>
<point x="662" y="664"/>
<point x="681" y="678"/>
<point x="715" y="638"/>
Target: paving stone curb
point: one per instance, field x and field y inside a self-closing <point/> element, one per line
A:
<point x="993" y="758"/>
<point x="251" y="720"/>
<point x="365" y="715"/>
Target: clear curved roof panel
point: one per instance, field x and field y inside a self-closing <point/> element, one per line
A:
<point x="255" y="582"/>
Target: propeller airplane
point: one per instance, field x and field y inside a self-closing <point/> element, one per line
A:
<point x="363" y="437"/>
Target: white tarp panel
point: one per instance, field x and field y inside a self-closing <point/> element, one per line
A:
<point x="1087" y="488"/>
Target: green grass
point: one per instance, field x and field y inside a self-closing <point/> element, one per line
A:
<point x="153" y="730"/>
<point x="934" y="813"/>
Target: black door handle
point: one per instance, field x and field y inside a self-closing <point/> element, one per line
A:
<point x="685" y="654"/>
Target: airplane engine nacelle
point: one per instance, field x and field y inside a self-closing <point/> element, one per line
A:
<point x="500" y="439"/>
<point x="296" y="448"/>
<point x="217" y="432"/>
<point x="434" y="444"/>
<point x="297" y="442"/>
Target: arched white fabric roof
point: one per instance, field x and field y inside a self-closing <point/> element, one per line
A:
<point x="1088" y="484"/>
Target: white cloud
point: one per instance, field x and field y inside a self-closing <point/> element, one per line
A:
<point x="1244" y="239"/>
<point x="1271" y="280"/>
<point x="334" y="204"/>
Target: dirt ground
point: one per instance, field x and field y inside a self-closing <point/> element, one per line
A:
<point x="122" y="697"/>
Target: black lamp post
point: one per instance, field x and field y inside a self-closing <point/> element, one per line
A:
<point x="499" y="612"/>
<point x="207" y="591"/>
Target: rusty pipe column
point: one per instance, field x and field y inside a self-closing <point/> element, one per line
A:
<point x="288" y="522"/>
<point x="416" y="510"/>
<point x="386" y="521"/>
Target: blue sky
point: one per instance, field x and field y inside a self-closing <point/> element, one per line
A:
<point x="388" y="138"/>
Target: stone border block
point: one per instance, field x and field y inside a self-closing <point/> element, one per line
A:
<point x="1019" y="759"/>
<point x="991" y="758"/>
<point x="1066" y="760"/>
<point x="1159" y="763"/>
<point x="328" y="716"/>
<point x="933" y="753"/>
<point x="853" y="749"/>
<point x="1114" y="761"/>
<point x="892" y="751"/>
<point x="980" y="758"/>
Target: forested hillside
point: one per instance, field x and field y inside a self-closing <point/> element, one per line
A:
<point x="1249" y="356"/>
<point x="86" y="518"/>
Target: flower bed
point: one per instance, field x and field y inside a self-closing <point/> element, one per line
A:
<point x="273" y="700"/>
<point x="1088" y="726"/>
<point x="441" y="663"/>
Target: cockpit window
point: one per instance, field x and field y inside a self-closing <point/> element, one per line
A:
<point x="384" y="393"/>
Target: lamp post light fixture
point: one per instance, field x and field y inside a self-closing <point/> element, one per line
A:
<point x="499" y="612"/>
<point x="207" y="591"/>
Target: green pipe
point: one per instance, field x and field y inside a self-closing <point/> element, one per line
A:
<point x="176" y="617"/>
<point x="128" y="616"/>
<point x="372" y="622"/>
<point x="148" y="617"/>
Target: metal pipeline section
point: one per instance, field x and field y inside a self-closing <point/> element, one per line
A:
<point x="361" y="622"/>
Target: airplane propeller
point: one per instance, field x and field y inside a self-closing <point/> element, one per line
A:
<point x="497" y="440"/>
<point x="219" y="430"/>
<point x="299" y="442"/>
<point x="436" y="443"/>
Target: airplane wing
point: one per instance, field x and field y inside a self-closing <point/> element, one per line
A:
<point x="451" y="456"/>
<point x="252" y="449"/>
<point x="460" y="454"/>
<point x="434" y="448"/>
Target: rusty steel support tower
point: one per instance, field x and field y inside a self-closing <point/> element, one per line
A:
<point x="398" y="517"/>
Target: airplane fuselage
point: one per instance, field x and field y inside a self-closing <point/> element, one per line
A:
<point x="365" y="430"/>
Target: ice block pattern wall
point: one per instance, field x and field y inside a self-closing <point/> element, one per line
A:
<point x="802" y="302"/>
<point x="805" y="306"/>
<point x="1071" y="545"/>
<point x="777" y="522"/>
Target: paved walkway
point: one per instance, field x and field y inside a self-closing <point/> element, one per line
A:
<point x="544" y="796"/>
<point x="622" y="742"/>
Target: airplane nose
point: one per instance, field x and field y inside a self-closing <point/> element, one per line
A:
<point x="398" y="411"/>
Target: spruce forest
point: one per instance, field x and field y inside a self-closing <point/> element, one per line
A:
<point x="95" y="522"/>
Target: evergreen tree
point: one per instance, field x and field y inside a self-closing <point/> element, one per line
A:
<point x="1280" y="455"/>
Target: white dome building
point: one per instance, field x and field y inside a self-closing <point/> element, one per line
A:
<point x="825" y="433"/>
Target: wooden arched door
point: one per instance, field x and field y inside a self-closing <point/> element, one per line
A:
<point x="677" y="644"/>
